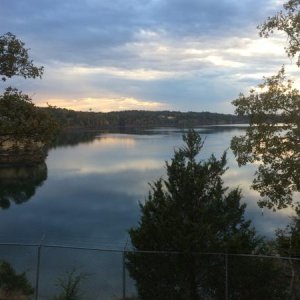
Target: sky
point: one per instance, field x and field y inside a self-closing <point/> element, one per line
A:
<point x="108" y="55"/>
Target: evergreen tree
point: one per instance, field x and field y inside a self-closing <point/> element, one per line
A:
<point x="188" y="213"/>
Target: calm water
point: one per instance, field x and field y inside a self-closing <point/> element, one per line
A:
<point x="88" y="192"/>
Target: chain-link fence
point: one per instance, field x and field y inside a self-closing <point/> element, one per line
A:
<point x="95" y="273"/>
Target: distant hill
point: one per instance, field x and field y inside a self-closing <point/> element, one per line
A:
<point x="140" y="119"/>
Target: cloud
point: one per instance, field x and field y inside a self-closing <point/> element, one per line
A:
<point x="187" y="54"/>
<point x="106" y="104"/>
<point x="92" y="31"/>
<point x="135" y="74"/>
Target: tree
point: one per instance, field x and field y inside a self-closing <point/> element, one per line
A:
<point x="25" y="130"/>
<point x="288" y="245"/>
<point x="13" y="285"/>
<point x="14" y="59"/>
<point x="287" y="22"/>
<point x="70" y="285"/>
<point x="272" y="139"/>
<point x="188" y="213"/>
<point x="21" y="119"/>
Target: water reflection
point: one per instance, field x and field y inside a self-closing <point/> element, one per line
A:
<point x="203" y="130"/>
<point x="111" y="141"/>
<point x="19" y="184"/>
<point x="74" y="137"/>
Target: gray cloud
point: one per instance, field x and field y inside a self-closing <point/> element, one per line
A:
<point x="90" y="31"/>
<point x="172" y="51"/>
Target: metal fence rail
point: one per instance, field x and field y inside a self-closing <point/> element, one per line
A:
<point x="38" y="252"/>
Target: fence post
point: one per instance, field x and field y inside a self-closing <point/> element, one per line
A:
<point x="124" y="277"/>
<point x="37" y="279"/>
<point x="226" y="276"/>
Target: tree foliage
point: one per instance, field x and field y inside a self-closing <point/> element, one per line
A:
<point x="21" y="119"/>
<point x="272" y="139"/>
<point x="139" y="119"/>
<point x="14" y="59"/>
<point x="13" y="285"/>
<point x="287" y="21"/>
<point x="190" y="212"/>
<point x="288" y="245"/>
<point x="24" y="128"/>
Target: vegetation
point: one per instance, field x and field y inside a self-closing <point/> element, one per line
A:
<point x="13" y="285"/>
<point x="139" y="119"/>
<point x="273" y="138"/>
<point x="188" y="213"/>
<point x="21" y="119"/>
<point x="288" y="22"/>
<point x="70" y="285"/>
<point x="14" y="59"/>
<point x="288" y="245"/>
<point x="25" y="130"/>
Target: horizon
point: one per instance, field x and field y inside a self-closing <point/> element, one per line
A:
<point x="139" y="110"/>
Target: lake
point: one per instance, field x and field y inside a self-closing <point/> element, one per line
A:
<point x="87" y="195"/>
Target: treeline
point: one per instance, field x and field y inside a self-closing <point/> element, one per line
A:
<point x="140" y="119"/>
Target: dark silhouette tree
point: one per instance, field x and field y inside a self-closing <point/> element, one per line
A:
<point x="272" y="139"/>
<point x="287" y="21"/>
<point x="70" y="285"/>
<point x="13" y="285"/>
<point x="21" y="119"/>
<point x="188" y="213"/>
<point x="14" y="59"/>
<point x="24" y="128"/>
<point x="288" y="245"/>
